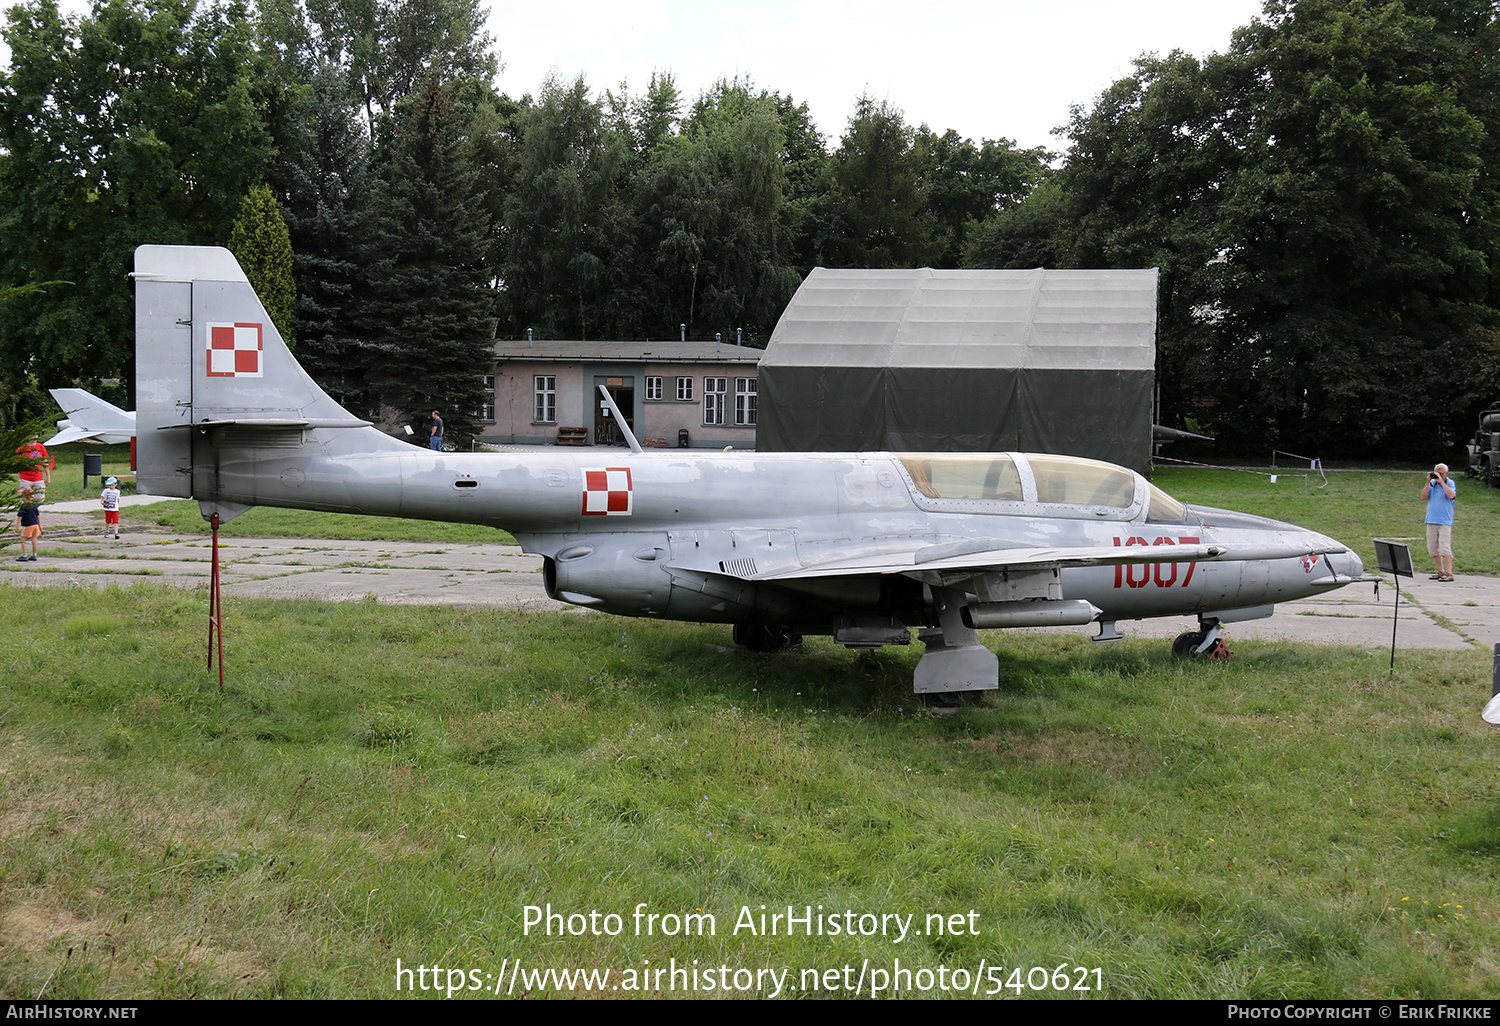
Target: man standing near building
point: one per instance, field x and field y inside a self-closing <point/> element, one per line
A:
<point x="1440" y="492"/>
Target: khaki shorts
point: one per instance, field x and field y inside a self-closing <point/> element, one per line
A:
<point x="1440" y="539"/>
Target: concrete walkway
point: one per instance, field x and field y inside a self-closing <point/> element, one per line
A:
<point x="92" y="505"/>
<point x="1433" y="615"/>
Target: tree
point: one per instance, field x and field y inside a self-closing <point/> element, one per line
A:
<point x="965" y="183"/>
<point x="1033" y="233"/>
<point x="388" y="47"/>
<point x="429" y="315"/>
<point x="568" y="272"/>
<point x="1320" y="203"/>
<point x="712" y="209"/>
<point x="652" y="119"/>
<point x="879" y="200"/>
<point x="131" y="125"/>
<point x="1350" y="262"/>
<point x="260" y="242"/>
<point x="327" y="171"/>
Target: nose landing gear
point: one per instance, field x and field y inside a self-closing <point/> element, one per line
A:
<point x="1204" y="642"/>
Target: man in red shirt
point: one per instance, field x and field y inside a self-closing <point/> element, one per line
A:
<point x="38" y="475"/>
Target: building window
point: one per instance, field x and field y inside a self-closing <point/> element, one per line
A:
<point x="744" y="402"/>
<point x="545" y="409"/>
<point x="487" y="410"/>
<point x="653" y="389"/>
<point x="684" y="390"/>
<point x="714" y="390"/>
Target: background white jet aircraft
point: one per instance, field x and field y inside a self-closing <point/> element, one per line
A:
<point x="860" y="546"/>
<point x="88" y="416"/>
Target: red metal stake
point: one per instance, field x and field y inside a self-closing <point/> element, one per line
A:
<point x="216" y="608"/>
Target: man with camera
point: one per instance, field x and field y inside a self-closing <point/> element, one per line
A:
<point x="1440" y="492"/>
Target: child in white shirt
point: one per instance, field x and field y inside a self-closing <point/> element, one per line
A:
<point x="110" y="500"/>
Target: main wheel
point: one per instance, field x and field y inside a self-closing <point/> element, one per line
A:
<point x="945" y="703"/>
<point x="1184" y="644"/>
<point x="759" y="638"/>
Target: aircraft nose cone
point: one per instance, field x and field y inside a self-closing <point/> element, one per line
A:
<point x="1346" y="563"/>
<point x="1356" y="565"/>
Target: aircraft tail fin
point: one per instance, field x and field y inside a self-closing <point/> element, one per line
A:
<point x="213" y="374"/>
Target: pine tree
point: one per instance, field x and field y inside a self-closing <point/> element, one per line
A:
<point x="260" y="242"/>
<point x="430" y="312"/>
<point x="328" y="179"/>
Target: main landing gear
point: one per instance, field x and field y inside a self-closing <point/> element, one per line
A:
<point x="760" y="638"/>
<point x="1203" y="642"/>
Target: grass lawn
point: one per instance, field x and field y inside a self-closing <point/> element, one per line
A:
<point x="1354" y="507"/>
<point x="183" y="516"/>
<point x="67" y="476"/>
<point x="380" y="783"/>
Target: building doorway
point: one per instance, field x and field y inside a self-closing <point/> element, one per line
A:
<point x="622" y="391"/>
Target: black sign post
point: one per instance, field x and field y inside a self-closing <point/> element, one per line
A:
<point x="1394" y="558"/>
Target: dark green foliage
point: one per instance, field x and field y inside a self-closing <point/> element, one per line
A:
<point x="878" y="205"/>
<point x="1357" y="282"/>
<point x="327" y="211"/>
<point x="429" y="314"/>
<point x="711" y="205"/>
<point x="1030" y="234"/>
<point x="965" y="183"/>
<point x="131" y="125"/>
<point x="569" y="222"/>
<point x="1320" y="202"/>
<point x="387" y="48"/>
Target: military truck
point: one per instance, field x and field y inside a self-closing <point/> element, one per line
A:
<point x="1484" y="451"/>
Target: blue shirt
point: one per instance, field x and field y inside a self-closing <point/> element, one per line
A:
<point x="1439" y="506"/>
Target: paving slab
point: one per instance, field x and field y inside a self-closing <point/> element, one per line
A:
<point x="1432" y="614"/>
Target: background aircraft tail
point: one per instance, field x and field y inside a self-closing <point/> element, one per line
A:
<point x="215" y="382"/>
<point x="88" y="416"/>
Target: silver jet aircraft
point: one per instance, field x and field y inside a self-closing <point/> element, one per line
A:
<point x="865" y="547"/>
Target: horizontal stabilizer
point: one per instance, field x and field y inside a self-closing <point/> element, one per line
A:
<point x="67" y="435"/>
<point x="268" y="424"/>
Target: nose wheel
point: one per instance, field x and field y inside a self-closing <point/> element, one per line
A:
<point x="1202" y="643"/>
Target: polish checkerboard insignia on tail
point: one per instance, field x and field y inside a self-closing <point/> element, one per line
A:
<point x="234" y="351"/>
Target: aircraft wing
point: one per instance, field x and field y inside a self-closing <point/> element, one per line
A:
<point x="987" y="560"/>
<point x="980" y="559"/>
<point x="72" y="434"/>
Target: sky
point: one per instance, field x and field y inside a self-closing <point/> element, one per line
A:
<point x="989" y="69"/>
